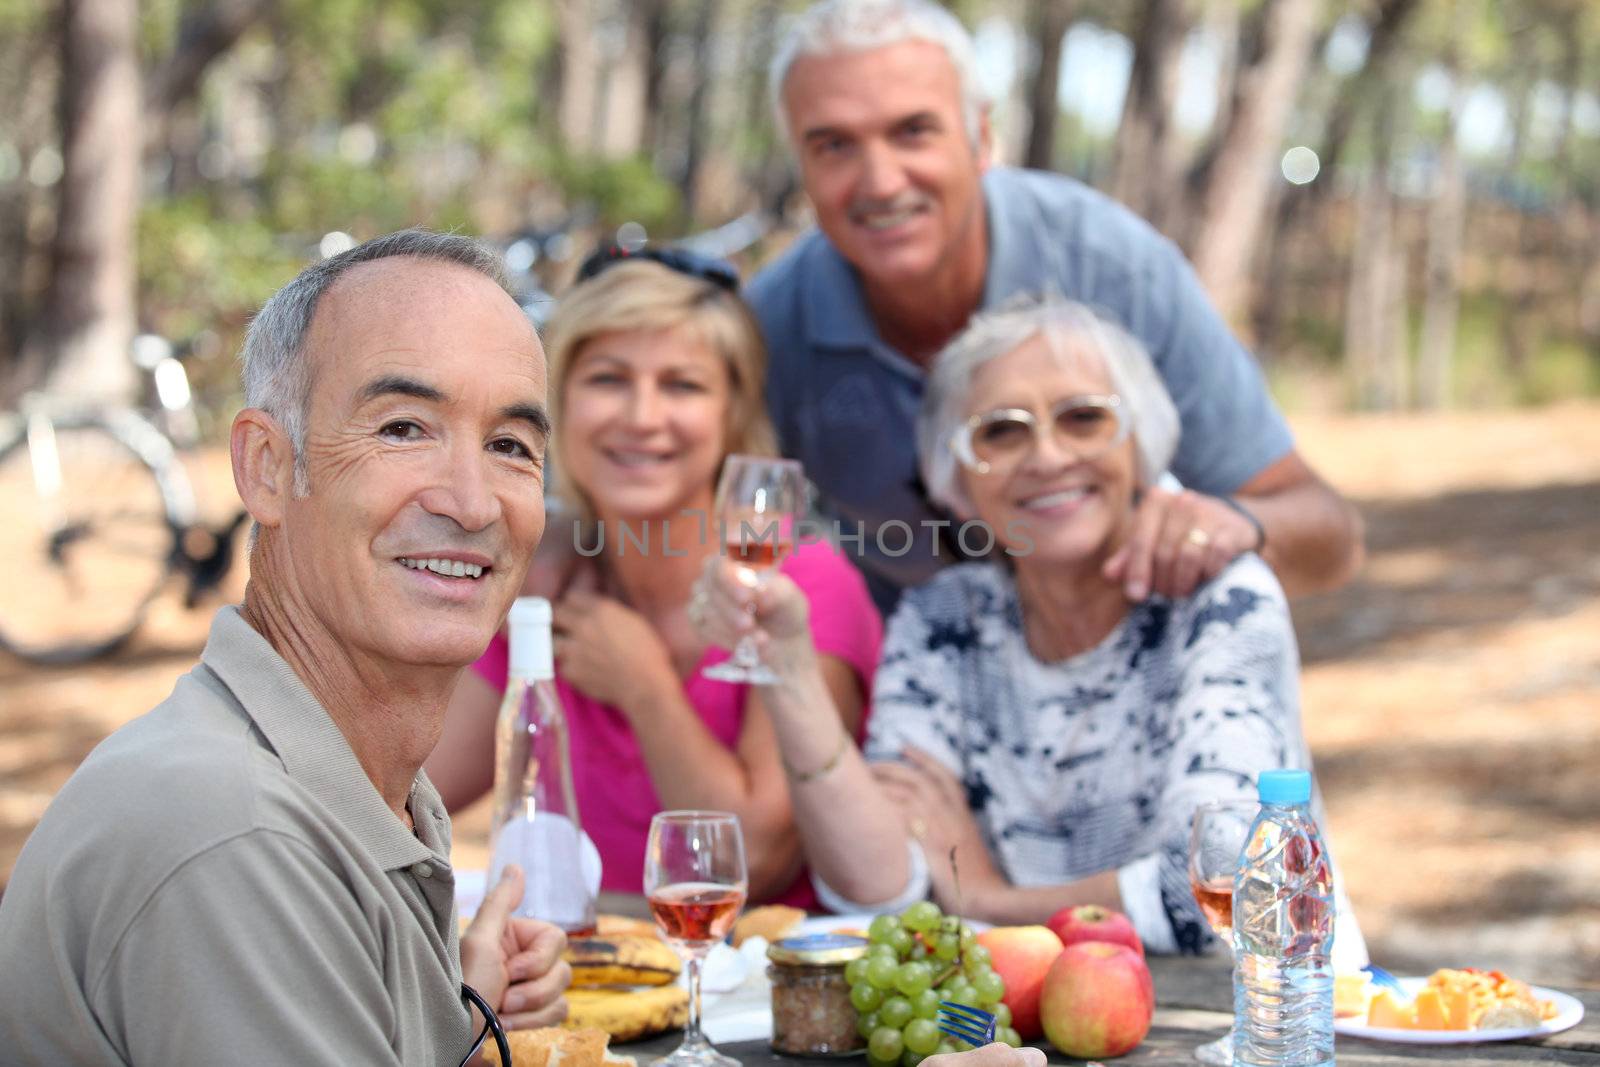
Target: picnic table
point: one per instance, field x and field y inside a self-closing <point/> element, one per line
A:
<point x="1194" y="1004"/>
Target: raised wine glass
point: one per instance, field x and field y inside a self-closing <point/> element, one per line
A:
<point x="759" y="502"/>
<point x="1216" y="840"/>
<point x="695" y="881"/>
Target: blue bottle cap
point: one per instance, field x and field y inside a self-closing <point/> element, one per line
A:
<point x="1284" y="787"/>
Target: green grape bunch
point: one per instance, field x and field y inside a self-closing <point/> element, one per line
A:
<point x="914" y="961"/>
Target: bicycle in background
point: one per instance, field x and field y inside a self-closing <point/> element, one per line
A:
<point x="97" y="512"/>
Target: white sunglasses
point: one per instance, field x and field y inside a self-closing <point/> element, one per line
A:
<point x="1086" y="426"/>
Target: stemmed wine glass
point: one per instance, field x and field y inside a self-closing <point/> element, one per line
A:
<point x="759" y="501"/>
<point x="1216" y="841"/>
<point x="695" y="881"/>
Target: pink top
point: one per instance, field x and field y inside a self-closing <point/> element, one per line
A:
<point x="616" y="798"/>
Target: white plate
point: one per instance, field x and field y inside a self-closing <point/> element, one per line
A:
<point x="827" y="924"/>
<point x="1569" y="1012"/>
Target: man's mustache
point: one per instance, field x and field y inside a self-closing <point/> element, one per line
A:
<point x="438" y="535"/>
<point x="907" y="201"/>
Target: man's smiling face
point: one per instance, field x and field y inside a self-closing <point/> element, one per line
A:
<point x="424" y="452"/>
<point x="886" y="158"/>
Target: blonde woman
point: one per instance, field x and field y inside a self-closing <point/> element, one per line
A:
<point x="656" y="375"/>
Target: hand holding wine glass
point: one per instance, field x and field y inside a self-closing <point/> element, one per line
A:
<point x="1216" y="841"/>
<point x="759" y="503"/>
<point x="695" y="880"/>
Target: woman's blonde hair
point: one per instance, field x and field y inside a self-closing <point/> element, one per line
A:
<point x="644" y="295"/>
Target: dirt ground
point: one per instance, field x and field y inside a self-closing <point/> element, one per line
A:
<point x="1451" y="693"/>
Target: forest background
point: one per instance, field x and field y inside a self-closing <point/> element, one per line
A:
<point x="1395" y="201"/>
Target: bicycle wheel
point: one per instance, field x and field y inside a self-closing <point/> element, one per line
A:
<point x="91" y="509"/>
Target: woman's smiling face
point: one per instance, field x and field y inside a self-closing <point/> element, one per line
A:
<point x="643" y="422"/>
<point x="1073" y="507"/>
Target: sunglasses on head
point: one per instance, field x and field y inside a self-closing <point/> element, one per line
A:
<point x="719" y="272"/>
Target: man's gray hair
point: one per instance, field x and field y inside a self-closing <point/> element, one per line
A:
<point x="277" y="377"/>
<point x="1073" y="331"/>
<point x="835" y="26"/>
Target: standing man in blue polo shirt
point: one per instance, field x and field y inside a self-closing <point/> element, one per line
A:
<point x="916" y="232"/>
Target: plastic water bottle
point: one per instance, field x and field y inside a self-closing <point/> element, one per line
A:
<point x="1283" y="933"/>
<point x="535" y="823"/>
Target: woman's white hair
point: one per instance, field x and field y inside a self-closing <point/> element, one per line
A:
<point x="277" y="378"/>
<point x="1074" y="331"/>
<point x="835" y="26"/>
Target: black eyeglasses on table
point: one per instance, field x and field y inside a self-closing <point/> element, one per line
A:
<point x="491" y="1024"/>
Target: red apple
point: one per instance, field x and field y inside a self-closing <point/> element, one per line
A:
<point x="1022" y="955"/>
<point x="1091" y="922"/>
<point x="1097" y="1000"/>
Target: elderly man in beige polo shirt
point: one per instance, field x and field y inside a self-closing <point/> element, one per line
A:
<point x="257" y="871"/>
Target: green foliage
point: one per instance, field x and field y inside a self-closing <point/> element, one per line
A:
<point x="311" y="195"/>
<point x="192" y="260"/>
<point x="620" y="190"/>
<point x="369" y="115"/>
<point x="23" y="16"/>
<point x="1563" y="370"/>
<point x="200" y="269"/>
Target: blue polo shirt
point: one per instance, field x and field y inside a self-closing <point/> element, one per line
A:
<point x="845" y="402"/>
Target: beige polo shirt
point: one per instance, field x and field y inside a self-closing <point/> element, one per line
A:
<point x="220" y="882"/>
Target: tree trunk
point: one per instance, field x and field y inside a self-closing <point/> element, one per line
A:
<point x="1222" y="24"/>
<point x="1446" y="230"/>
<point x="1375" y="283"/>
<point x="1571" y="88"/>
<point x="580" y="63"/>
<point x="1366" y="298"/>
<point x="28" y="82"/>
<point x="1047" y="25"/>
<point x="1395" y="365"/>
<point x="699" y="107"/>
<point x="1520" y="333"/>
<point x="652" y="15"/>
<point x="81" y="344"/>
<point x="1238" y="182"/>
<point x="1143" y="161"/>
<point x="1589" y="290"/>
<point x="626" y="79"/>
<point x="1364" y="85"/>
<point x="204" y="34"/>
<point x="769" y="169"/>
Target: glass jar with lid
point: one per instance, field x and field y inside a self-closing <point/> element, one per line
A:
<point x="811" y="1010"/>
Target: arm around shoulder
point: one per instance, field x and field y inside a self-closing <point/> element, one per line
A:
<point x="1315" y="539"/>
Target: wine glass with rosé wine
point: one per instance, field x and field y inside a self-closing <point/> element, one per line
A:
<point x="695" y="881"/>
<point x="759" y="503"/>
<point x="1216" y="841"/>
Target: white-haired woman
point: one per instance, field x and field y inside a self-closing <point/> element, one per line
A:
<point x="1027" y="715"/>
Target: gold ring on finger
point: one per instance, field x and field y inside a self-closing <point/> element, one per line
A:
<point x="1198" y="537"/>
<point x="918" y="828"/>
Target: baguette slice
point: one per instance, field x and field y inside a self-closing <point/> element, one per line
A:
<point x="554" y="1046"/>
<point x="623" y="926"/>
<point x="771" y="921"/>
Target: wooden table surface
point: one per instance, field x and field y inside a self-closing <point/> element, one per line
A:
<point x="1194" y="1004"/>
